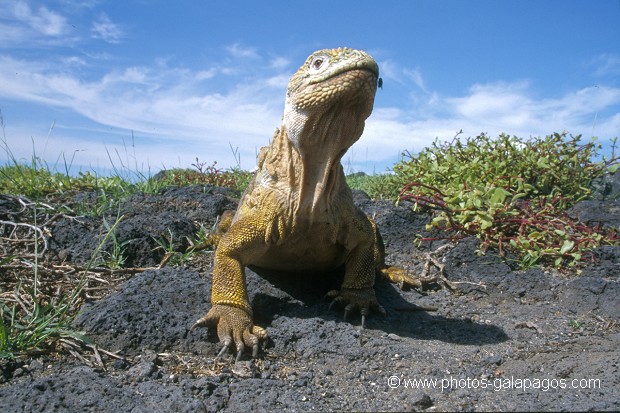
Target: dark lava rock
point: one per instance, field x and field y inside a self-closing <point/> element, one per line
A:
<point x="154" y="310"/>
<point x="595" y="212"/>
<point x="597" y="289"/>
<point x="147" y="221"/>
<point x="398" y="225"/>
<point x="82" y="389"/>
<point x="603" y="207"/>
<point x="606" y="187"/>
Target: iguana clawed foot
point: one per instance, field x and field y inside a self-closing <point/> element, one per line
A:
<point x="234" y="326"/>
<point x="362" y="300"/>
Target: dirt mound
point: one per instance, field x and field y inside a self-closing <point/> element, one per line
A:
<point x="145" y="221"/>
<point x="503" y="340"/>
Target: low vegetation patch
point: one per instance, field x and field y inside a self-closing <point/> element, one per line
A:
<point x="378" y="186"/>
<point x="204" y="174"/>
<point x="510" y="193"/>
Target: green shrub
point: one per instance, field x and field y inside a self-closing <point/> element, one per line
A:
<point x="510" y="193"/>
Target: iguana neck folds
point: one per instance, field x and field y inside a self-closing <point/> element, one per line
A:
<point x="307" y="185"/>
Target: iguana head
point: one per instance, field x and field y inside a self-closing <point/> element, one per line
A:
<point x="327" y="101"/>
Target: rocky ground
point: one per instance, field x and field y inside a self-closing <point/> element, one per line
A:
<point x="501" y="339"/>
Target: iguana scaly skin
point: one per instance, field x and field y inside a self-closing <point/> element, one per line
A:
<point x="298" y="212"/>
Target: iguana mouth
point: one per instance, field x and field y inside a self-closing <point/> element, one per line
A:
<point x="364" y="66"/>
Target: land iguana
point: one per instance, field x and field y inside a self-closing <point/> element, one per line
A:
<point x="298" y="213"/>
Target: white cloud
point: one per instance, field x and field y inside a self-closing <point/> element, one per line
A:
<point x="238" y="51"/>
<point x="607" y="64"/>
<point x="416" y="76"/>
<point x="205" y="74"/>
<point x="42" y="20"/>
<point x="11" y="34"/>
<point x="392" y="72"/>
<point x="163" y="103"/>
<point x="279" y="62"/>
<point x="512" y="108"/>
<point x="491" y="100"/>
<point x="104" y="29"/>
<point x="24" y="26"/>
<point x="73" y="61"/>
<point x="80" y="4"/>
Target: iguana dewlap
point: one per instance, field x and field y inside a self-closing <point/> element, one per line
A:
<point x="298" y="212"/>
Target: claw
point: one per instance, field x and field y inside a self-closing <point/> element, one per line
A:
<point x="356" y="300"/>
<point x="222" y="351"/>
<point x="347" y="310"/>
<point x="335" y="301"/>
<point x="203" y="321"/>
<point x="240" y="349"/>
<point x="364" y="312"/>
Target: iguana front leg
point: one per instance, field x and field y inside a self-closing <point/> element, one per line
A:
<point x="357" y="292"/>
<point x="231" y="311"/>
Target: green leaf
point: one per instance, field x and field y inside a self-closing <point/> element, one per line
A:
<point x="486" y="221"/>
<point x="535" y="235"/>
<point x="542" y="163"/>
<point x="567" y="246"/>
<point x="499" y="196"/>
<point x="79" y="336"/>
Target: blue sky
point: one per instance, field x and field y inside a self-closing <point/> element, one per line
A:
<point x="156" y="84"/>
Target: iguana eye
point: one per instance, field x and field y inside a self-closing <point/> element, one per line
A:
<point x="318" y="62"/>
